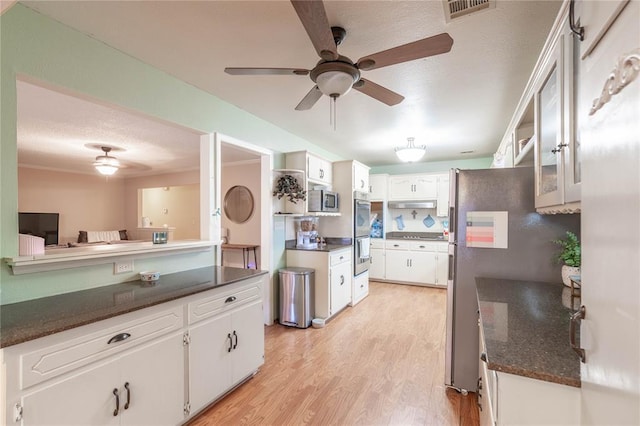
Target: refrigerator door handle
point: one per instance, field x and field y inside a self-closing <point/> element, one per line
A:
<point x="451" y="265"/>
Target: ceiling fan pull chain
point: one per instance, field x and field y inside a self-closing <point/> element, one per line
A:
<point x="332" y="112"/>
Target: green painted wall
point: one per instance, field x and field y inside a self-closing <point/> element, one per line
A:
<point x="38" y="49"/>
<point x="434" y="166"/>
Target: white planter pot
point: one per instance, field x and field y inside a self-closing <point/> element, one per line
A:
<point x="567" y="271"/>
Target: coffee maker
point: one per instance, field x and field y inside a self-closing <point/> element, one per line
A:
<point x="307" y="233"/>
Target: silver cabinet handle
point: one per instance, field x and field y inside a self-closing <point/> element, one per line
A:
<point x="575" y="318"/>
<point x="341" y="279"/>
<point x="118" y="338"/>
<point x="117" y="395"/>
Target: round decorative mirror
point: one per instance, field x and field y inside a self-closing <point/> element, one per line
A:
<point x="238" y="204"/>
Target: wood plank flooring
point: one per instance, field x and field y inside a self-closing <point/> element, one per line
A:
<point x="378" y="363"/>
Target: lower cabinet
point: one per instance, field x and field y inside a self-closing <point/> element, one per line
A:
<point x="416" y="262"/>
<point x="360" y="287"/>
<point x="377" y="265"/>
<point x="508" y="399"/>
<point x="148" y="367"/>
<point x="223" y="351"/>
<point x="333" y="277"/>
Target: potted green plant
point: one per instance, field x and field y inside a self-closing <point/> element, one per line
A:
<point x="569" y="256"/>
<point x="288" y="186"/>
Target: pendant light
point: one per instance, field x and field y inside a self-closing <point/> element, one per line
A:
<point x="410" y="153"/>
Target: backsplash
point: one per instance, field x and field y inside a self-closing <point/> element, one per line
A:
<point x="418" y="224"/>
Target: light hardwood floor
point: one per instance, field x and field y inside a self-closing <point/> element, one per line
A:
<point x="378" y="363"/>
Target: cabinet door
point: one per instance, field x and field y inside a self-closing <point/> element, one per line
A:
<point x="378" y="187"/>
<point x="340" y="286"/>
<point x="376" y="268"/>
<point x="397" y="265"/>
<point x="360" y="177"/>
<point x="442" y="207"/>
<point x="85" y="398"/>
<point x="442" y="269"/>
<point x="155" y="373"/>
<point x="318" y="169"/>
<point x="422" y="265"/>
<point x="401" y="188"/>
<point x="248" y="341"/>
<point x="209" y="360"/>
<point x="425" y="188"/>
<point x="549" y="143"/>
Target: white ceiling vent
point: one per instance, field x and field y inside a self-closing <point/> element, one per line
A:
<point x="457" y="8"/>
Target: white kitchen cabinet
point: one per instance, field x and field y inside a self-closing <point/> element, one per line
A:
<point x="72" y="378"/>
<point x="422" y="263"/>
<point x="360" y="288"/>
<point x="223" y="351"/>
<point x="378" y="187"/>
<point x="413" y="187"/>
<point x="360" y="177"/>
<point x="318" y="170"/>
<point x="333" y="277"/>
<point x="557" y="163"/>
<point x="442" y="202"/>
<point x="377" y="266"/>
<point x="135" y="368"/>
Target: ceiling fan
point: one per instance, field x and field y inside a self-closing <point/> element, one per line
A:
<point x="335" y="74"/>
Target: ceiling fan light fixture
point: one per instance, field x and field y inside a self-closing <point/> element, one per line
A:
<point x="106" y="165"/>
<point x="410" y="153"/>
<point x="335" y="83"/>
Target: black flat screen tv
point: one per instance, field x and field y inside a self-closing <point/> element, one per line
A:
<point x="43" y="225"/>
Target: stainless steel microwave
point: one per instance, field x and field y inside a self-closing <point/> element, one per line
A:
<point x="321" y="200"/>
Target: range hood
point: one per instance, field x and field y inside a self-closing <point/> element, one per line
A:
<point x="412" y="204"/>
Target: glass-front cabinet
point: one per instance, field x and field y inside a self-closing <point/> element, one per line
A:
<point x="549" y="130"/>
<point x="557" y="144"/>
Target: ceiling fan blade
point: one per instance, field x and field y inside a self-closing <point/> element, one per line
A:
<point x="266" y="71"/>
<point x="426" y="47"/>
<point x="378" y="92"/>
<point x="315" y="22"/>
<point x="309" y="99"/>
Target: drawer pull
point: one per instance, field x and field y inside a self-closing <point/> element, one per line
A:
<point x="230" y="342"/>
<point x="235" y="344"/>
<point x="483" y="357"/>
<point x="341" y="279"/>
<point x="230" y="299"/>
<point x="126" y="405"/>
<point x="115" y="392"/>
<point x="118" y="338"/>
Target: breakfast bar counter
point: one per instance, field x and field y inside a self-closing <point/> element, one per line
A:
<point x="526" y="330"/>
<point x="24" y="321"/>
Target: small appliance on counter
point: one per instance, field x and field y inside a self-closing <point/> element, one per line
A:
<point x="307" y="233"/>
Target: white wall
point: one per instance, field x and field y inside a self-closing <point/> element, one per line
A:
<point x="85" y="202"/>
<point x="245" y="174"/>
<point x="175" y="206"/>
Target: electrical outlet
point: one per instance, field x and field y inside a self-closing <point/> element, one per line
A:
<point x="122" y="267"/>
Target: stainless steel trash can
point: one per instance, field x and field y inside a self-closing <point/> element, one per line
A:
<point x="297" y="301"/>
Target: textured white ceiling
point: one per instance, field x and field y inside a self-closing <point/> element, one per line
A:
<point x="459" y="101"/>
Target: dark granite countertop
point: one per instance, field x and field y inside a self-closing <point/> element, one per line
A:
<point x="332" y="244"/>
<point x="526" y="330"/>
<point x="24" y="321"/>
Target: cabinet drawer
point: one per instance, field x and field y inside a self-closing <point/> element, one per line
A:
<point x="339" y="257"/>
<point x="397" y="245"/>
<point x="377" y="243"/>
<point x="51" y="361"/>
<point x="221" y="300"/>
<point x="424" y="246"/>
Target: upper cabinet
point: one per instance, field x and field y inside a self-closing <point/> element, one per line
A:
<point x="542" y="132"/>
<point x="443" y="196"/>
<point x="319" y="171"/>
<point x="360" y="177"/>
<point x="378" y="187"/>
<point x="413" y="187"/>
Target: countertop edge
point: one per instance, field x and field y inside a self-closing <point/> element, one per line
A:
<point x="545" y="377"/>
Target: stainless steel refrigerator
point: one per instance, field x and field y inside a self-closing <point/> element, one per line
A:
<point x="529" y="253"/>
